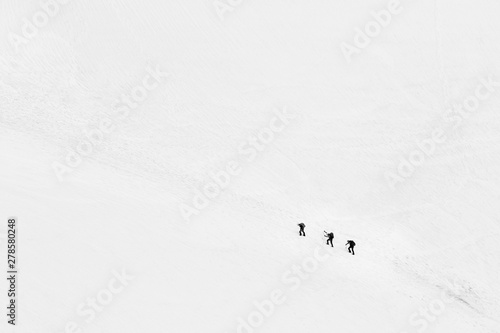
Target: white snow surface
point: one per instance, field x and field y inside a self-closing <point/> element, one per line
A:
<point x="120" y="208"/>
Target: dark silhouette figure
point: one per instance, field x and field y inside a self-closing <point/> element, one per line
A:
<point x="301" y="231"/>
<point x="351" y="246"/>
<point x="330" y="238"/>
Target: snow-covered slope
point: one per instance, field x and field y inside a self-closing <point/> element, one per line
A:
<point x="427" y="256"/>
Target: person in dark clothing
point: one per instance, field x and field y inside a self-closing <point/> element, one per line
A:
<point x="351" y="246"/>
<point x="330" y="238"/>
<point x="301" y="231"/>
